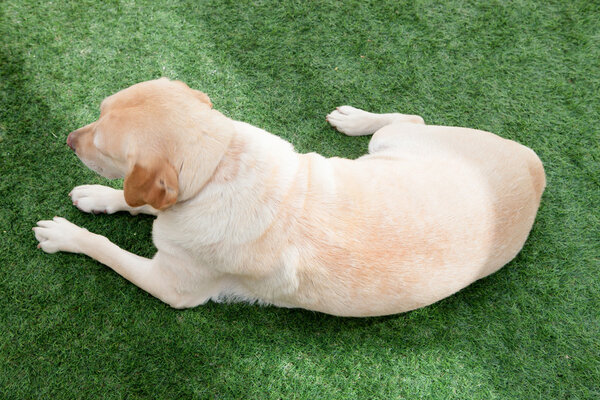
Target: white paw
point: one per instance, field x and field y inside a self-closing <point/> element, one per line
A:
<point x="353" y="121"/>
<point x="58" y="235"/>
<point x="97" y="199"/>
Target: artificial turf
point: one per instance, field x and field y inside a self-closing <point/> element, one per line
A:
<point x="526" y="70"/>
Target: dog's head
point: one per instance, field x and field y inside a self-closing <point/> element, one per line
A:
<point x="142" y="135"/>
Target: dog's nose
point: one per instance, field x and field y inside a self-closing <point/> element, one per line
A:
<point x="70" y="141"/>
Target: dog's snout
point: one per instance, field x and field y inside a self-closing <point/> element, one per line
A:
<point x="77" y="137"/>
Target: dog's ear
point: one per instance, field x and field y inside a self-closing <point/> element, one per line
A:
<point x="198" y="94"/>
<point x="152" y="182"/>
<point x="202" y="97"/>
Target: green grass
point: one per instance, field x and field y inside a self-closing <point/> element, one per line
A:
<point x="526" y="70"/>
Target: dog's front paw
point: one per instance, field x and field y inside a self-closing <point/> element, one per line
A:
<point x="58" y="234"/>
<point x="352" y="121"/>
<point x="97" y="199"/>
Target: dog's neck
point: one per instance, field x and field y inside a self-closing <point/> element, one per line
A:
<point x="242" y="196"/>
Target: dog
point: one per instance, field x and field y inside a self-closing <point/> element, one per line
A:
<point x="241" y="216"/>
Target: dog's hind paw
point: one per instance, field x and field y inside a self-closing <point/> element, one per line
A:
<point x="353" y="121"/>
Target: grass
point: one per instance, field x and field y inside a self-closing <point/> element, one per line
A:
<point x="529" y="71"/>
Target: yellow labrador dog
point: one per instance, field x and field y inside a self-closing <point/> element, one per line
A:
<point x="241" y="215"/>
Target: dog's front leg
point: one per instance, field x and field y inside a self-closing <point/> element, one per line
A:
<point x="103" y="199"/>
<point x="59" y="234"/>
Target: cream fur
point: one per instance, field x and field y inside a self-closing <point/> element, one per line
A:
<point x="428" y="211"/>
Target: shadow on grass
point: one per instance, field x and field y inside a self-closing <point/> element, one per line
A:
<point x="25" y="120"/>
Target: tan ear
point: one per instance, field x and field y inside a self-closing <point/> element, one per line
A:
<point x="202" y="97"/>
<point x="199" y="95"/>
<point x="155" y="183"/>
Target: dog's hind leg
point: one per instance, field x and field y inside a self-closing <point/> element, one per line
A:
<point x="355" y="122"/>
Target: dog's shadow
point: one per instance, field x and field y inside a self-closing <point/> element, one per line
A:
<point x="456" y="320"/>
